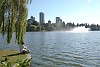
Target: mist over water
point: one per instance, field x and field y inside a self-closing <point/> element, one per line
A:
<point x="80" y="29"/>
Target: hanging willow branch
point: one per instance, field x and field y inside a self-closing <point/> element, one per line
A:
<point x="13" y="17"/>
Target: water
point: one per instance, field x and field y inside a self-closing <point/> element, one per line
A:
<point x="61" y="49"/>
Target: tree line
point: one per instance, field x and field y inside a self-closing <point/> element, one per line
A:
<point x="36" y="26"/>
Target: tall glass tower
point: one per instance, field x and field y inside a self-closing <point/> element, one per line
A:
<point x="41" y="17"/>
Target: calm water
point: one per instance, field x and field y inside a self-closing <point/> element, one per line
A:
<point x="61" y="49"/>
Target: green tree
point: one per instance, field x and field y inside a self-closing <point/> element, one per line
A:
<point x="38" y="28"/>
<point x="13" y="17"/>
<point x="31" y="28"/>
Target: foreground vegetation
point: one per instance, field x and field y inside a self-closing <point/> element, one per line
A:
<point x="12" y="55"/>
<point x="13" y="18"/>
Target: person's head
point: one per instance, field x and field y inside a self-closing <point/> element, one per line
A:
<point x="23" y="42"/>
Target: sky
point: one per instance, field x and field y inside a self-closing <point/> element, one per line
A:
<point x="77" y="11"/>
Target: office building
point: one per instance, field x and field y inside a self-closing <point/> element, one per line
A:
<point x="49" y="22"/>
<point x="57" y="19"/>
<point x="41" y="17"/>
<point x="32" y="18"/>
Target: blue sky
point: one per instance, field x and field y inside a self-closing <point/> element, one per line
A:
<point x="78" y="11"/>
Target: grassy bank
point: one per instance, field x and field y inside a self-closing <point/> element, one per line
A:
<point x="13" y="56"/>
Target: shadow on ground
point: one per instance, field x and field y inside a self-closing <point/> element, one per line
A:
<point x="13" y="54"/>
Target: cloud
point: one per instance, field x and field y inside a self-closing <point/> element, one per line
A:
<point x="89" y="0"/>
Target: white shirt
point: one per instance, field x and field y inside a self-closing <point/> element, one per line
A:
<point x="22" y="47"/>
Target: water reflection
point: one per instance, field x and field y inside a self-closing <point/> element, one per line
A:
<point x="63" y="49"/>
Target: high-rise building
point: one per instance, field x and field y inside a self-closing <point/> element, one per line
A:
<point x="60" y="20"/>
<point x="32" y="18"/>
<point x="41" y="17"/>
<point x="49" y="22"/>
<point x="57" y="19"/>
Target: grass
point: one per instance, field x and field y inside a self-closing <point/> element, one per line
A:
<point x="12" y="55"/>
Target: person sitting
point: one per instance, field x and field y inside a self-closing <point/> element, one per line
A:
<point x="23" y="48"/>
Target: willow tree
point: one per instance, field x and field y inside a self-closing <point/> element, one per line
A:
<point x="13" y="18"/>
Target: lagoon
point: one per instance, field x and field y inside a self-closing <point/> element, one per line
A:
<point x="61" y="49"/>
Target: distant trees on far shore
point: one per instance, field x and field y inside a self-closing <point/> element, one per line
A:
<point x="36" y="26"/>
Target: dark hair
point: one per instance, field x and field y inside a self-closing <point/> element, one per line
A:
<point x="23" y="42"/>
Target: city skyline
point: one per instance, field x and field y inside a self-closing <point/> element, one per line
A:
<point x="78" y="11"/>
